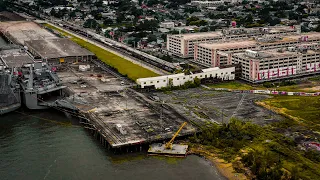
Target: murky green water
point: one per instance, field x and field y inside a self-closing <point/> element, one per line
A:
<point x="57" y="148"/>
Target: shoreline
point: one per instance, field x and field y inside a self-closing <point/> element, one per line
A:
<point x="226" y="169"/>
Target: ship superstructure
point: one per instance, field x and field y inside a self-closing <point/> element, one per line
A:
<point x="40" y="85"/>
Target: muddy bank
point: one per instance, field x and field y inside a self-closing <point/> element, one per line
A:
<point x="225" y="168"/>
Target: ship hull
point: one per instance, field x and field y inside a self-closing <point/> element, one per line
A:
<point x="31" y="101"/>
<point x="10" y="108"/>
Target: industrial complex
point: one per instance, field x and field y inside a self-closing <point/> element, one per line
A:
<point x="231" y="86"/>
<point x="219" y="54"/>
<point x="264" y="54"/>
<point x="182" y="45"/>
<point x="57" y="51"/>
<point x="261" y="66"/>
<point x="49" y="71"/>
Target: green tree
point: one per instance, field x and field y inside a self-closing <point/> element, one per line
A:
<point x="191" y="10"/>
<point x="72" y="14"/>
<point x="275" y="21"/>
<point x="107" y="21"/>
<point x="281" y="14"/>
<point x="90" y="23"/>
<point x="148" y="25"/>
<point x="222" y="8"/>
<point x="3" y="5"/>
<point x="249" y="19"/>
<point x="196" y="81"/>
<point x="204" y="29"/>
<point x="174" y="32"/>
<point x="164" y="37"/>
<point x="192" y="18"/>
<point x="317" y="29"/>
<point x="120" y="18"/>
<point x="152" y="2"/>
<point x="98" y="3"/>
<point x="152" y="37"/>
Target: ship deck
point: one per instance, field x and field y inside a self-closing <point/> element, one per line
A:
<point x="106" y="103"/>
<point x="15" y="58"/>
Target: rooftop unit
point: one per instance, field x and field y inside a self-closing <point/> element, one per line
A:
<point x="268" y="39"/>
<point x="251" y="53"/>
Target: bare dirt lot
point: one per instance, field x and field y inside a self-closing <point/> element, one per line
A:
<point x="219" y="106"/>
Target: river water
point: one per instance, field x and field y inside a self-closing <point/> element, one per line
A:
<point x="50" y="145"/>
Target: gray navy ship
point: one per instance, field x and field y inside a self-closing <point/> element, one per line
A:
<point x="9" y="91"/>
<point x="24" y="80"/>
<point x="40" y="86"/>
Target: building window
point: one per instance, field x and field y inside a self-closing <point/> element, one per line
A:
<point x="164" y="80"/>
<point x="144" y="83"/>
<point x="151" y="82"/>
<point x="157" y="81"/>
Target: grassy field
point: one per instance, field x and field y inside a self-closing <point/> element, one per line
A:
<point x="307" y="86"/>
<point x="305" y="109"/>
<point x="125" y="67"/>
<point x="310" y="85"/>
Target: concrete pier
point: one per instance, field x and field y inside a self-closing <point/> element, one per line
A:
<point x="116" y="113"/>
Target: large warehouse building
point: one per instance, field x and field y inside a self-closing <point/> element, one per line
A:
<point x="219" y="54"/>
<point x="261" y="66"/>
<point x="182" y="45"/>
<point x="43" y="44"/>
<point x="59" y="50"/>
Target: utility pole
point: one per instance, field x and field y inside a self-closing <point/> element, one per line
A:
<point x="222" y="115"/>
<point x="161" y="114"/>
<point x="125" y="92"/>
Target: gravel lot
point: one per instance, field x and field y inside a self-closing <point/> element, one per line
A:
<point x="219" y="106"/>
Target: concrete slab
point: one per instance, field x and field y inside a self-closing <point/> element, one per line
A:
<point x="57" y="48"/>
<point x="21" y="31"/>
<point x="107" y="104"/>
<point x="160" y="149"/>
<point x="15" y="57"/>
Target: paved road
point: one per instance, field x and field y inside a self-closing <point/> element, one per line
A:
<point x="158" y="71"/>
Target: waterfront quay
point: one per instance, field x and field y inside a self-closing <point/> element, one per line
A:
<point x="105" y="101"/>
<point x="115" y="113"/>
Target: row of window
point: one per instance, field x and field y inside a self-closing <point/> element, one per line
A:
<point x="151" y="82"/>
<point x="201" y="76"/>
